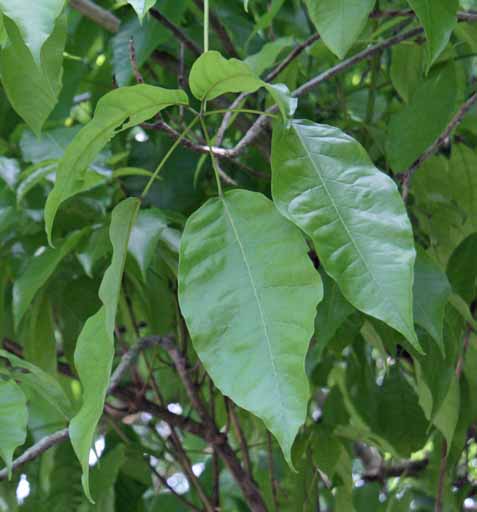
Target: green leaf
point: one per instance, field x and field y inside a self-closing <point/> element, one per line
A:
<point x="116" y="111"/>
<point x="431" y="293"/>
<point x="51" y="145"/>
<point x="212" y="75"/>
<point x="13" y="420"/>
<point x="406" y="69"/>
<point x="324" y="182"/>
<point x="339" y="22"/>
<point x="414" y="128"/>
<point x="43" y="383"/>
<point x="249" y="293"/>
<point x="21" y="75"/>
<point x="95" y="347"/>
<point x="266" y="19"/>
<point x="439" y="19"/>
<point x="462" y="270"/>
<point x="94" y="249"/>
<point x="37" y="273"/>
<point x="141" y="7"/>
<point x="104" y="476"/>
<point x="35" y="21"/>
<point x="150" y="227"/>
<point x="445" y="193"/>
<point x="268" y="54"/>
<point x="39" y="342"/>
<point x="331" y="312"/>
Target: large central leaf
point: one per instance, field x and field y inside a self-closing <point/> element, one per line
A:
<point x="249" y="294"/>
<point x="324" y="182"/>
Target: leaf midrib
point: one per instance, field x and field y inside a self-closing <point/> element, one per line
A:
<point x="259" y="305"/>
<point x="351" y="238"/>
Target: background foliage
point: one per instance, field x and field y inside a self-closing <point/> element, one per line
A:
<point x="238" y="255"/>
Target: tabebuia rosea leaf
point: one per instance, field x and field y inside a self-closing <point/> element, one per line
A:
<point x="339" y="22"/>
<point x="35" y="21"/>
<point x="439" y="18"/>
<point x="324" y="181"/>
<point x="431" y="294"/>
<point x="249" y="292"/>
<point x="212" y="75"/>
<point x="13" y="420"/>
<point x="37" y="273"/>
<point x="95" y="347"/>
<point x="116" y="111"/>
<point x="20" y="74"/>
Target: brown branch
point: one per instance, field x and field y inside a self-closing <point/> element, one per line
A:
<point x="437" y="144"/>
<point x="409" y="13"/>
<point x="165" y="483"/>
<point x="262" y="121"/>
<point x="181" y="36"/>
<point x="271" y="472"/>
<point x="243" y="479"/>
<point x="291" y="57"/>
<point x="133" y="61"/>
<point x="36" y="450"/>
<point x="97" y="14"/>
<point x="242" y="440"/>
<point x="442" y="478"/>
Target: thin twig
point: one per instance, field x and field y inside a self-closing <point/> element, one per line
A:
<point x="181" y="36"/>
<point x="442" y="478"/>
<point x="262" y="121"/>
<point x="291" y="57"/>
<point x="97" y="14"/>
<point x="36" y="450"/>
<point x="166" y="484"/>
<point x="220" y="31"/>
<point x="240" y="436"/>
<point x="409" y="13"/>
<point x="437" y="144"/>
<point x="271" y="472"/>
<point x="133" y="60"/>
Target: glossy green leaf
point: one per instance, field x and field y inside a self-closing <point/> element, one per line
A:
<point x="45" y="384"/>
<point x="20" y="74"/>
<point x="38" y="175"/>
<point x="439" y="19"/>
<point x="249" y="293"/>
<point x="212" y="75"/>
<point x="431" y="293"/>
<point x="339" y="22"/>
<point x="324" y="182"/>
<point x="35" y="21"/>
<point x="116" y="111"/>
<point x="414" y="128"/>
<point x="37" y="273"/>
<point x="95" y="347"/>
<point x="13" y="420"/>
<point x="141" y="7"/>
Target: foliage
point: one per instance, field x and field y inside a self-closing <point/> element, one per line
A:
<point x="244" y="277"/>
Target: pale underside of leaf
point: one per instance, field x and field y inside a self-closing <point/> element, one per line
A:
<point x="249" y="294"/>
